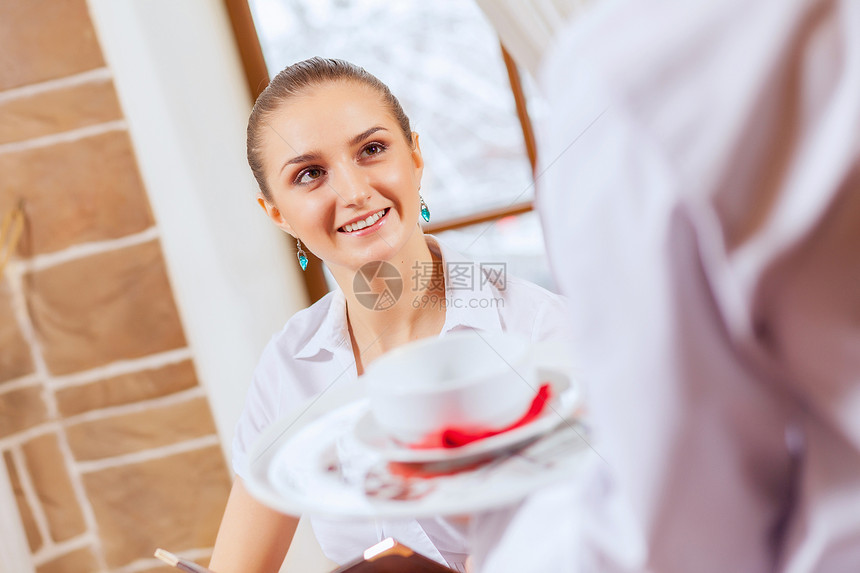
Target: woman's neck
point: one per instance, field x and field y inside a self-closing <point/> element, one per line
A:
<point x="382" y="316"/>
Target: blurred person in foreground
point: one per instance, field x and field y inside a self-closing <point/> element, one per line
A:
<point x="700" y="191"/>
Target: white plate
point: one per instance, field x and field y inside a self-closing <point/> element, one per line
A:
<point x="563" y="402"/>
<point x="321" y="468"/>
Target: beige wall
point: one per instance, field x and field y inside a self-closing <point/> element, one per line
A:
<point x="106" y="434"/>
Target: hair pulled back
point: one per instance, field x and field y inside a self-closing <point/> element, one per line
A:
<point x="295" y="80"/>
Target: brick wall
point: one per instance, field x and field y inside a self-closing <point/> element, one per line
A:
<point x="105" y="432"/>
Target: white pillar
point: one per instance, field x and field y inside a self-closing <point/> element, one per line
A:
<point x="179" y="79"/>
<point x="14" y="551"/>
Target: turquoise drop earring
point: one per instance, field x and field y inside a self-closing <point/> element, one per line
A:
<point x="425" y="211"/>
<point x="303" y="257"/>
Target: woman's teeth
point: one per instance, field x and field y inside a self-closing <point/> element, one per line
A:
<point x="365" y="222"/>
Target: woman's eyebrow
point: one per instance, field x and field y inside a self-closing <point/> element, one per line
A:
<point x="365" y="134"/>
<point x="312" y="156"/>
<point x="302" y="158"/>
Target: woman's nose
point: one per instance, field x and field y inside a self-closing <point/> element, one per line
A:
<point x="352" y="188"/>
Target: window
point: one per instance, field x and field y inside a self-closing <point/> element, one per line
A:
<point x="444" y="63"/>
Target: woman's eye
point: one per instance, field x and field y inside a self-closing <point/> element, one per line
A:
<point x="309" y="175"/>
<point x="374" y="149"/>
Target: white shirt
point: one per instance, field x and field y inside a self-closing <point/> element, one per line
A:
<point x="702" y="192"/>
<point x="313" y="350"/>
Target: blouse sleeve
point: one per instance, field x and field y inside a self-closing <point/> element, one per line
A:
<point x="260" y="411"/>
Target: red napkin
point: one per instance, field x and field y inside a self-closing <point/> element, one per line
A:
<point x="457" y="437"/>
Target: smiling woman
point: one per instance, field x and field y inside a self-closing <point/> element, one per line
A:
<point x="340" y="170"/>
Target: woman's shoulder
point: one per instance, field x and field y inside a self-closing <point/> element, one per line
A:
<point x="306" y="325"/>
<point x="528" y="307"/>
<point x="525" y="293"/>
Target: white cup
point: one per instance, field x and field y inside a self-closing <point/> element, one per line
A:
<point x="466" y="380"/>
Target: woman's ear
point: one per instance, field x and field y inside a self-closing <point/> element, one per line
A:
<point x="417" y="159"/>
<point x="274" y="214"/>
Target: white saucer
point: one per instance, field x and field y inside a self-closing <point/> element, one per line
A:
<point x="565" y="397"/>
<point x="321" y="468"/>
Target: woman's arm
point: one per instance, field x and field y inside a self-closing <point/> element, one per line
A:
<point x="252" y="538"/>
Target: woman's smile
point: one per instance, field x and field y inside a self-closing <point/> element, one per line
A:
<point x="362" y="226"/>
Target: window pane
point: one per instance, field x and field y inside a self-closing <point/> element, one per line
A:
<point x="443" y="61"/>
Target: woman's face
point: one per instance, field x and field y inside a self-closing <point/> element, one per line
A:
<point x="336" y="159"/>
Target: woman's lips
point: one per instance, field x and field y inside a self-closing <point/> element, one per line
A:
<point x="370" y="228"/>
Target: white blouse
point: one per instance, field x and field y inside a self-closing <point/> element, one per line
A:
<point x="313" y="350"/>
